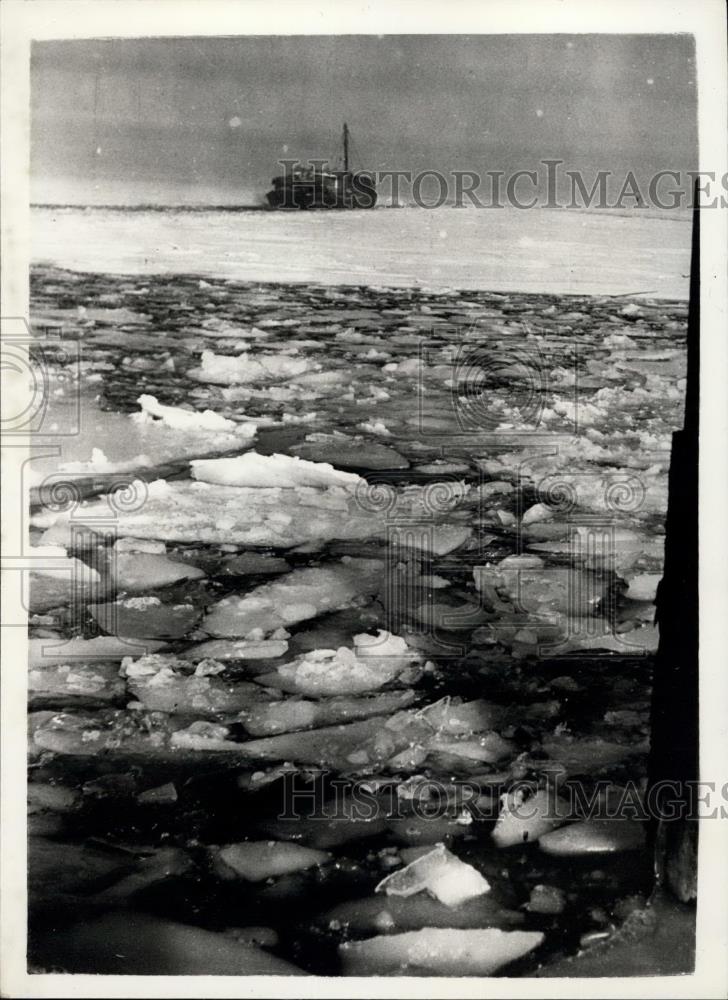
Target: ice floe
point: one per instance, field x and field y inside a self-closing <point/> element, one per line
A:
<point x="594" y="837"/>
<point x="302" y="594"/>
<point x="183" y="420"/>
<point x="258" y="860"/>
<point x="252" y="469"/>
<point x="437" y="952"/>
<point x="349" y="452"/>
<point x="164" y="684"/>
<point x="267" y="718"/>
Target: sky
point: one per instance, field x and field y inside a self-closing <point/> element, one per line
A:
<point x="205" y="120"/>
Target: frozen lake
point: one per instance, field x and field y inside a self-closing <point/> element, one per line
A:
<point x="555" y="251"/>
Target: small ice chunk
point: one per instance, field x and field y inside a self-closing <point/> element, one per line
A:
<point x="63" y="580"/>
<point x="146" y="545"/>
<point x="643" y="586"/>
<point x="437" y="539"/>
<point x="455" y="718"/>
<point x="223" y="369"/>
<point x="606" y="836"/>
<point x="253" y="564"/>
<point x="523" y="819"/>
<point x="102" y="647"/>
<point x="375" y="427"/>
<point x="183" y="420"/>
<point x="322" y="672"/>
<point x="142" y="571"/>
<point x="382" y="644"/>
<point x="238" y="649"/>
<point x="272" y="717"/>
<point x="254" y="470"/>
<point x="538" y="512"/>
<point x="489" y="747"/>
<point x="631" y="309"/>
<point x="258" y="860"/>
<point x="547" y="899"/>
<point x="494" y="488"/>
<point x="161" y="684"/>
<point x="161" y="795"/>
<point x="60" y="565"/>
<point x="56" y="798"/>
<point x="349" y="452"/>
<point x="441" y="873"/>
<point x="522" y="561"/>
<point x="203" y="735"/>
<point x="73" y="681"/>
<point x="267" y="718"/>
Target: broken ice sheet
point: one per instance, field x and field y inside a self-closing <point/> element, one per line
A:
<point x="305" y="519"/>
<point x="200" y="512"/>
<point x="441" y="873"/>
<point x="106" y="442"/>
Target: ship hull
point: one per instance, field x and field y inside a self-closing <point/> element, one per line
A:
<point x="353" y="191"/>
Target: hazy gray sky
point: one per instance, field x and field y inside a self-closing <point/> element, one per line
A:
<point x="205" y="119"/>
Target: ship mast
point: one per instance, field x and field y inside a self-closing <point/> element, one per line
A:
<point x="346" y="148"/>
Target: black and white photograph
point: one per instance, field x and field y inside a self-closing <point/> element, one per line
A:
<point x="356" y="462"/>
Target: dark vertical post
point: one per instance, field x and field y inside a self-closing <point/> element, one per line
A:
<point x="346" y="148"/>
<point x="674" y="755"/>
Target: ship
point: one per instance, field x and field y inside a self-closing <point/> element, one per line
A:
<point x="315" y="187"/>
